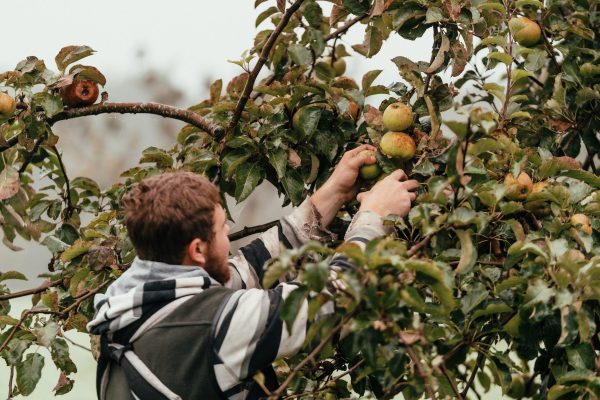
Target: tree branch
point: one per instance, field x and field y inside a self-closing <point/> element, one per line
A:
<point x="421" y="372"/>
<point x="264" y="54"/>
<point x="451" y="382"/>
<point x="9" y="143"/>
<point x="339" y="32"/>
<point x="316" y="350"/>
<point x="251" y="230"/>
<point x="413" y="250"/>
<point x="83" y="297"/>
<point x="39" y="289"/>
<point x="142" y="108"/>
<point x="30" y="154"/>
<point x="67" y="195"/>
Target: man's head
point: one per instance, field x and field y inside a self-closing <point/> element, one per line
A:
<point x="177" y="218"/>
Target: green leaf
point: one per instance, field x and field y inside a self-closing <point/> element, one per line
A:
<point x="265" y="14"/>
<point x="12" y="275"/>
<point x="585" y="95"/>
<point x="13" y="353"/>
<point x="584" y="176"/>
<point x="300" y="54"/>
<point x="410" y="72"/>
<point x="315" y="275"/>
<point x="491" y="309"/>
<point x="9" y="182"/>
<point x="357" y="7"/>
<point x="70" y="54"/>
<point x="51" y="104"/>
<point x="535" y="60"/>
<point x="29" y="372"/>
<point x="468" y="253"/>
<point x="74" y="251"/>
<point x="291" y="306"/>
<point x="581" y="356"/>
<point x="233" y="160"/>
<point x="60" y="355"/>
<point x="294" y="186"/>
<point x="472" y="300"/>
<point x="54" y="244"/>
<point x="434" y="14"/>
<point x="531" y="3"/>
<point x="313" y="14"/>
<point x="247" y="177"/>
<point x="278" y="159"/>
<point x="372" y="42"/>
<point x="158" y="156"/>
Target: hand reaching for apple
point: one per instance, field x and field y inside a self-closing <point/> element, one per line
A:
<point x="392" y="195"/>
<point x="341" y="186"/>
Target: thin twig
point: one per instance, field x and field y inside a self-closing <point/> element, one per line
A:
<point x="142" y="108"/>
<point x="264" y="54"/>
<point x="30" y="154"/>
<point x="9" y="143"/>
<point x="339" y="32"/>
<point x="251" y="230"/>
<point x="337" y="378"/>
<point x="413" y="250"/>
<point x="39" y="289"/>
<point x="478" y="364"/>
<point x="10" y="382"/>
<point x="84" y="297"/>
<point x="75" y="343"/>
<point x="67" y="195"/>
<point x="310" y="357"/>
<point x="451" y="382"/>
<point x="421" y="372"/>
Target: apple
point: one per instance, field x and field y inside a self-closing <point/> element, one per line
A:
<point x="519" y="188"/>
<point x="398" y="145"/>
<point x="339" y="65"/>
<point x="525" y="31"/>
<point x="7" y="105"/>
<point x="583" y="221"/>
<point x="398" y="116"/>
<point x="369" y="171"/>
<point x="589" y="70"/>
<point x="79" y="93"/>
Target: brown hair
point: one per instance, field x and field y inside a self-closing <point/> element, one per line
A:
<point x="164" y="213"/>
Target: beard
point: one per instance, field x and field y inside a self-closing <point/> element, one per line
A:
<point x="217" y="267"/>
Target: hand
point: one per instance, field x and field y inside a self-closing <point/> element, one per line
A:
<point x="391" y="195"/>
<point x="341" y="185"/>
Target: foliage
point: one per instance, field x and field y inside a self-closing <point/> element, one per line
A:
<point x="471" y="288"/>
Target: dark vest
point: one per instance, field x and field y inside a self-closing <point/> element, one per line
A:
<point x="179" y="351"/>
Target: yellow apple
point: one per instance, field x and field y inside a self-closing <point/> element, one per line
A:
<point x="398" y="145"/>
<point x="582" y="222"/>
<point x="519" y="188"/>
<point x="525" y="31"/>
<point x="397" y="117"/>
<point x="7" y="105"/>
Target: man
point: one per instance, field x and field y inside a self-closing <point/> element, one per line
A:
<point x="184" y="322"/>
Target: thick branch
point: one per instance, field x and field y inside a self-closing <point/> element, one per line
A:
<point x="9" y="143"/>
<point x="39" y="289"/>
<point x="251" y="230"/>
<point x="264" y="54"/>
<point x="339" y="32"/>
<point x="142" y="108"/>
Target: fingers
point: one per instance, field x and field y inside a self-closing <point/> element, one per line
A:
<point x="412" y="196"/>
<point x="357" y="150"/>
<point x="397" y="175"/>
<point x="360" y="159"/>
<point x="360" y="196"/>
<point x="410" y="185"/>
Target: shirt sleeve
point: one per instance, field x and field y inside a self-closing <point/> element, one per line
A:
<point x="250" y="335"/>
<point x="302" y="225"/>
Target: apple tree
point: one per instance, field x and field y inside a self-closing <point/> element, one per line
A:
<point x="492" y="280"/>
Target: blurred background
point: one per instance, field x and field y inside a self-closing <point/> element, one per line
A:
<point x="163" y="52"/>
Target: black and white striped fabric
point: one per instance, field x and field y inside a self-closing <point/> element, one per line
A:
<point x="248" y="335"/>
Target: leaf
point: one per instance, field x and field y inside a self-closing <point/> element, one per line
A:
<point x="51" y="104"/>
<point x="585" y="95"/>
<point x="502" y="57"/>
<point x="584" y="176"/>
<point x="535" y="60"/>
<point x="9" y="182"/>
<point x="247" y="178"/>
<point x="70" y="54"/>
<point x="459" y="58"/>
<point x="357" y="7"/>
<point x="530" y="3"/>
<point x="78" y="248"/>
<point x="88" y="72"/>
<point x="410" y="72"/>
<point x="472" y="300"/>
<point x="294" y="186"/>
<point x="278" y="159"/>
<point x="158" y="156"/>
<point x="433" y="114"/>
<point x="60" y="355"/>
<point x="12" y="275"/>
<point x="438" y="62"/>
<point x="64" y="385"/>
<point x="434" y="14"/>
<point x="372" y="42"/>
<point x="29" y="372"/>
<point x="46" y="334"/>
<point x="468" y="253"/>
<point x="54" y="244"/>
<point x="491" y="309"/>
<point x="264" y="15"/>
<point x="300" y="54"/>
<point x="233" y="160"/>
<point x="368" y="78"/>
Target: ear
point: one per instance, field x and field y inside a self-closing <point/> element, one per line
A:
<point x="195" y="253"/>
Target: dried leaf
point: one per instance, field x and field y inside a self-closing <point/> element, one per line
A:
<point x="459" y="58"/>
<point x="9" y="182"/>
<point x="438" y="61"/>
<point x="373" y="117"/>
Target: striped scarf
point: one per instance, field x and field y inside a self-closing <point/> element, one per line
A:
<point x="144" y="285"/>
